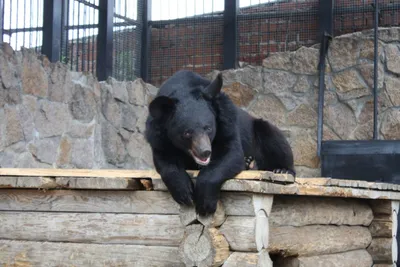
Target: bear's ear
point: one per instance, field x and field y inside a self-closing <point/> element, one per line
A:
<point x="162" y="106"/>
<point x="215" y="86"/>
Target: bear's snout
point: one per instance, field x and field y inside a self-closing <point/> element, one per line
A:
<point x="201" y="149"/>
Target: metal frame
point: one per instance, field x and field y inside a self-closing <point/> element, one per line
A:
<point x="105" y="40"/>
<point x="52" y="21"/>
<point x="230" y="34"/>
<point x="326" y="34"/>
<point x="145" y="18"/>
<point x="1" y="20"/>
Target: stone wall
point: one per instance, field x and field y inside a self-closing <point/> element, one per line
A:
<point x="285" y="91"/>
<point x="52" y="117"/>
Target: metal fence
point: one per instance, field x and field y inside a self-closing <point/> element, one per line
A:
<point x="152" y="39"/>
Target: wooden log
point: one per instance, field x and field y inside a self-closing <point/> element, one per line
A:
<point x="114" y="201"/>
<point x="313" y="187"/>
<point x="314" y="240"/>
<point x="240" y="232"/>
<point x="381" y="250"/>
<point x="381" y="226"/>
<point x="245" y="204"/>
<point x="381" y="206"/>
<point x="28" y="253"/>
<point x="242" y="259"/>
<point x="384" y="265"/>
<point x="163" y="230"/>
<point x="203" y="247"/>
<point x="91" y="201"/>
<point x="305" y="240"/>
<point x="359" y="258"/>
<point x="189" y="216"/>
<point x="395" y="211"/>
<point x="300" y="211"/>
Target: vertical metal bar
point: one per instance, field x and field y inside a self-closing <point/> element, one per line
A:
<point x="376" y="22"/>
<point x="1" y="20"/>
<point x="230" y="34"/>
<point x="326" y="33"/>
<point x="104" y="62"/>
<point x="52" y="29"/>
<point x="64" y="31"/>
<point x="146" y="39"/>
<point x="78" y="42"/>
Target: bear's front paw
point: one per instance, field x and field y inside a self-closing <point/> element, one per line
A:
<point x="182" y="193"/>
<point x="206" y="206"/>
<point x="206" y="198"/>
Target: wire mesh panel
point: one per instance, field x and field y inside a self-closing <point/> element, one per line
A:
<point x="22" y="23"/>
<point x="390" y="13"/>
<point x="267" y="26"/>
<point x="79" y="34"/>
<point x="127" y="39"/>
<point x="353" y="15"/>
<point x="185" y="34"/>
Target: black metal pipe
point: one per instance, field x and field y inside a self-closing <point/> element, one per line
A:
<point x="145" y="39"/>
<point x="321" y="94"/>
<point x="376" y="22"/>
<point x="104" y="60"/>
<point x="230" y="34"/>
<point x="326" y="33"/>
<point x="52" y="29"/>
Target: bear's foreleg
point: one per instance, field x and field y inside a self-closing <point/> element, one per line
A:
<point x="227" y="161"/>
<point x="174" y="176"/>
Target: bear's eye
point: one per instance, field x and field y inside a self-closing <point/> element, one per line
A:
<point x="187" y="134"/>
<point x="207" y="129"/>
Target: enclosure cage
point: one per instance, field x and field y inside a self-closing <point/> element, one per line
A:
<point x="152" y="39"/>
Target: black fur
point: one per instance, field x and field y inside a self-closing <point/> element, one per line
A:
<point x="187" y="106"/>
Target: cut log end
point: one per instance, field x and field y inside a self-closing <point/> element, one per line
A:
<point x="203" y="247"/>
<point x="189" y="216"/>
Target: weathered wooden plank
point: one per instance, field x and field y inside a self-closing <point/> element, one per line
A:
<point x="162" y="230"/>
<point x="381" y="206"/>
<point x="242" y="259"/>
<point x="28" y="253"/>
<point x="240" y="185"/>
<point x="118" y="173"/>
<point x="395" y="211"/>
<point x="307" y="189"/>
<point x="359" y="258"/>
<point x="146" y="202"/>
<point x="240" y="233"/>
<point x="381" y="250"/>
<point x="304" y="240"/>
<point x="300" y="211"/>
<point x="315" y="240"/>
<point x="381" y="226"/>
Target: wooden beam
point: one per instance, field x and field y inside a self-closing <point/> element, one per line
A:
<point x="88" y="201"/>
<point x="135" y="229"/>
<point x="240" y="231"/>
<point x="359" y="258"/>
<point x="243" y="259"/>
<point x="114" y="173"/>
<point x="28" y="253"/>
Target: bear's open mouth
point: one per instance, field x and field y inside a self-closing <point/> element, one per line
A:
<point x="200" y="161"/>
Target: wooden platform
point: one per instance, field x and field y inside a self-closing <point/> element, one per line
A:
<point x="247" y="181"/>
<point x="127" y="218"/>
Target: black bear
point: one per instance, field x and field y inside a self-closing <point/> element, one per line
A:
<point x="193" y="125"/>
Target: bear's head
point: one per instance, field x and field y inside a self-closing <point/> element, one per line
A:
<point x="190" y="119"/>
